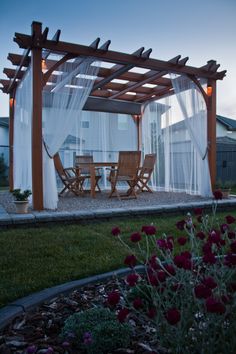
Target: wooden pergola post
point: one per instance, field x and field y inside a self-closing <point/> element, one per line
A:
<point x="137" y="118"/>
<point x="11" y="138"/>
<point x="37" y="157"/>
<point x="211" y="131"/>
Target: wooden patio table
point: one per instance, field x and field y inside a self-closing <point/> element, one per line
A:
<point x="92" y="167"/>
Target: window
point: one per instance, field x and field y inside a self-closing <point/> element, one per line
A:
<point x="85" y="124"/>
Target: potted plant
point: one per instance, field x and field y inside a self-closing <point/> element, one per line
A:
<point x="225" y="187"/>
<point x="21" y="200"/>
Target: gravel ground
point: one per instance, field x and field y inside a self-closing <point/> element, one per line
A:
<point x="70" y="202"/>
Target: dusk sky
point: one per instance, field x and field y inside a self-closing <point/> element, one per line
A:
<point x="200" y="29"/>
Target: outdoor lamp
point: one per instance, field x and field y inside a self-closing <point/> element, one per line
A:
<point x="209" y="90"/>
<point x="44" y="65"/>
<point x="11" y="101"/>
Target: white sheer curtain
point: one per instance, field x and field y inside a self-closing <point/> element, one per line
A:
<point x="181" y="162"/>
<point x="62" y="107"/>
<point x="101" y="135"/>
<point x="194" y="111"/>
<point x="22" y="173"/>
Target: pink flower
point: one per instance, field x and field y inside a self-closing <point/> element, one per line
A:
<point x="233" y="247"/>
<point x="137" y="303"/>
<point x="122" y="314"/>
<point x="115" y="231"/>
<point x="202" y="292"/>
<point x="218" y="194"/>
<point x="132" y="279"/>
<point x="173" y="316"/>
<point x="181" y="241"/>
<point x="209" y="282"/>
<point x="149" y="229"/>
<point x="130" y="261"/>
<point x="113" y="298"/>
<point x="214" y="306"/>
<point x="197" y="211"/>
<point x="201" y="235"/>
<point x="230" y="219"/>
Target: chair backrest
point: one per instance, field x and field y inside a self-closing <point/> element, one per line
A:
<point x="80" y="159"/>
<point x="148" y="164"/>
<point x="59" y="167"/>
<point x="128" y="163"/>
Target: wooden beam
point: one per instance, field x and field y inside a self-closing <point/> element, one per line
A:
<point x="131" y="87"/>
<point x="11" y="139"/>
<point x="25" y="41"/>
<point x="211" y="132"/>
<point x="12" y="83"/>
<point x="114" y="75"/>
<point x="112" y="106"/>
<point x="37" y="154"/>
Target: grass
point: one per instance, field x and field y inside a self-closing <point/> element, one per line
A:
<point x="32" y="259"/>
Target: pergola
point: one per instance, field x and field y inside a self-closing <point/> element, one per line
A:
<point x="116" y="89"/>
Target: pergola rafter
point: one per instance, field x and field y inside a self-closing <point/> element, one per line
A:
<point x="122" y="87"/>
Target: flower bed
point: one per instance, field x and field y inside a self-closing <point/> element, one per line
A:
<point x="183" y="302"/>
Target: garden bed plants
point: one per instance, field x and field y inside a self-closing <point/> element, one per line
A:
<point x="183" y="302"/>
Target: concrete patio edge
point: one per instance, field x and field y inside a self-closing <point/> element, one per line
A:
<point x="16" y="308"/>
<point x="35" y="218"/>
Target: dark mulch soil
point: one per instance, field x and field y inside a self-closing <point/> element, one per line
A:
<point x="42" y="327"/>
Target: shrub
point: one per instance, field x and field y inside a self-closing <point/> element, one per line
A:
<point x="96" y="331"/>
<point x="187" y="298"/>
<point x="21" y="195"/>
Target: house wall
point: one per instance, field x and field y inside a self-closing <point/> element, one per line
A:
<point x="4" y="142"/>
<point x="222" y="131"/>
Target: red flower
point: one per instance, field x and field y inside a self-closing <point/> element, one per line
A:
<point x="152" y="262"/>
<point x="209" y="282"/>
<point x="152" y="312"/>
<point x="231" y="234"/>
<point x="224" y="228"/>
<point x="122" y="314"/>
<point x="183" y="260"/>
<point x="130" y="261"/>
<point x="173" y="316"/>
<point x="197" y="211"/>
<point x="182" y="241"/>
<point x="233" y="247"/>
<point x="176" y="287"/>
<point x="214" y="237"/>
<point x="135" y="237"/>
<point x="170" y="269"/>
<point x="230" y="219"/>
<point x="201" y="235"/>
<point x="153" y="280"/>
<point x="115" y="231"/>
<point x="137" y="303"/>
<point x="209" y="258"/>
<point x="186" y="254"/>
<point x="202" y="292"/>
<point x="132" y="279"/>
<point x="161" y="276"/>
<point x="113" y="298"/>
<point x="218" y="194"/>
<point x="206" y="248"/>
<point x="149" y="229"/>
<point x="230" y="259"/>
<point x="214" y="306"/>
<point x="180" y="224"/>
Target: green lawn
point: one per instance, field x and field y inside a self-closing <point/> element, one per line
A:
<point x="32" y="259"/>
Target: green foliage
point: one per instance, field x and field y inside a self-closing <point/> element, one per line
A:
<point x="97" y="331"/>
<point x="21" y="195"/>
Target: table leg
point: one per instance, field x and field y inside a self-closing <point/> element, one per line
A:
<point x="92" y="181"/>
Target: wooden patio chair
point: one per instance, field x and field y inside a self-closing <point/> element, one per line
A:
<point x="71" y="181"/>
<point x="84" y="172"/>
<point x="126" y="171"/>
<point x="145" y="173"/>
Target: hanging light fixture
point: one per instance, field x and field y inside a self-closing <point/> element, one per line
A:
<point x="209" y="90"/>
